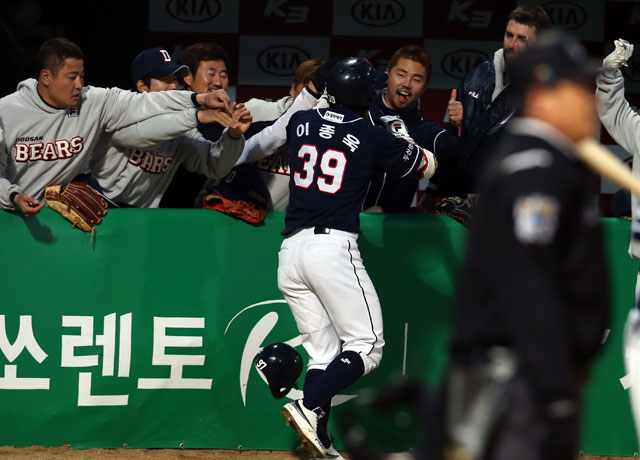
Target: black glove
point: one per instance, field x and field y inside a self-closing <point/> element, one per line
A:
<point x="319" y="79"/>
<point x="458" y="208"/>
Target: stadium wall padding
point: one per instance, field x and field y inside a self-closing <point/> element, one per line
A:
<point x="143" y="334"/>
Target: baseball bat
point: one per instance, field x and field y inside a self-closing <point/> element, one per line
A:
<point x="605" y="163"/>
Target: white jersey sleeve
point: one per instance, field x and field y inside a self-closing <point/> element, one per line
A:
<point x="262" y="110"/>
<point x="623" y="123"/>
<point x="213" y="159"/>
<point x="122" y="108"/>
<point x="617" y="116"/>
<point x="267" y="141"/>
<point x="155" y="130"/>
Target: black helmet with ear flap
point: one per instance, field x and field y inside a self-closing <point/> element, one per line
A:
<point x="281" y="365"/>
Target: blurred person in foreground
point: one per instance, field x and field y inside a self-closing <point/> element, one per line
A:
<point x="533" y="299"/>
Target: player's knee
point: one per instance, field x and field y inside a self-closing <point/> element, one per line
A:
<point x="371" y="355"/>
<point x="370" y="361"/>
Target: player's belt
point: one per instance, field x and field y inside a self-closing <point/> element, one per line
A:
<point x="321" y="230"/>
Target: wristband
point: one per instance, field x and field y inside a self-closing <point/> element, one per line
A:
<point x="313" y="93"/>
<point x="13" y="196"/>
<point x="194" y="99"/>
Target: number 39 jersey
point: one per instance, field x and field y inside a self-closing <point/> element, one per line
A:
<point x="333" y="154"/>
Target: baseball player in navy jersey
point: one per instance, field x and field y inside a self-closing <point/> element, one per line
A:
<point x="333" y="154"/>
<point x="51" y="126"/>
<point x="409" y="71"/>
<point x="265" y="151"/>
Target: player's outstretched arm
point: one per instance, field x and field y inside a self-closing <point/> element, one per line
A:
<point x="121" y="108"/>
<point x="213" y="159"/>
<point x="618" y="57"/>
<point x="154" y="130"/>
<point x="617" y="116"/>
<point x="267" y="141"/>
<point x="427" y="163"/>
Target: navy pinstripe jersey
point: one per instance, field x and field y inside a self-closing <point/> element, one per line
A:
<point x="333" y="155"/>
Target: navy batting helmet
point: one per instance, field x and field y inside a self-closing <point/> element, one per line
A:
<point x="352" y="82"/>
<point x="281" y="365"/>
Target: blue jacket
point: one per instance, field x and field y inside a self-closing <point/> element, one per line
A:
<point x="481" y="126"/>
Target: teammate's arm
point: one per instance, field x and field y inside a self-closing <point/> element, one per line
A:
<point x="403" y="156"/>
<point x="167" y="126"/>
<point x="617" y="116"/>
<point x="217" y="159"/>
<point x="213" y="159"/>
<point x="267" y="141"/>
<point x="123" y="108"/>
<point x="11" y="196"/>
<point x="155" y="130"/>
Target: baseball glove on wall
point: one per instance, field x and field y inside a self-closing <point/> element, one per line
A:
<point x="240" y="209"/>
<point x="78" y="203"/>
<point x="241" y="194"/>
<point x="458" y="208"/>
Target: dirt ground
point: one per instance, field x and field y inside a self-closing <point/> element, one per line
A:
<point x="64" y="453"/>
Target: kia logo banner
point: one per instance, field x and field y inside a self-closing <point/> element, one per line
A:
<point x="272" y="60"/>
<point x="380" y="18"/>
<point x="565" y="15"/>
<point x="282" y="60"/>
<point x="380" y="13"/>
<point x="193" y="10"/>
<point x="193" y="16"/>
<point x="454" y="59"/>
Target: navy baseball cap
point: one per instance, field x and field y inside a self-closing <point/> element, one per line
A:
<point x="553" y="57"/>
<point x="155" y="63"/>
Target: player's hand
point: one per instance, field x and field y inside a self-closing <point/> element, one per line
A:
<point x="243" y="118"/>
<point x="618" y="56"/>
<point x="29" y="206"/>
<point x="396" y="126"/>
<point x="313" y="90"/>
<point x="455" y="110"/>
<point x="218" y="99"/>
<point x="319" y="78"/>
<point x="215" y="116"/>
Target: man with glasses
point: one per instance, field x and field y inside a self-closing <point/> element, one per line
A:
<point x="479" y="107"/>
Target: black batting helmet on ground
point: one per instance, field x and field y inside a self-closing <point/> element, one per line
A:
<point x="352" y="82"/>
<point x="281" y="365"/>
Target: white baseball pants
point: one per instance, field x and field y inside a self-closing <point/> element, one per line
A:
<point x="331" y="296"/>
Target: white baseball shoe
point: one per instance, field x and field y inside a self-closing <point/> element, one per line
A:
<point x="305" y="422"/>
<point x="332" y="454"/>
